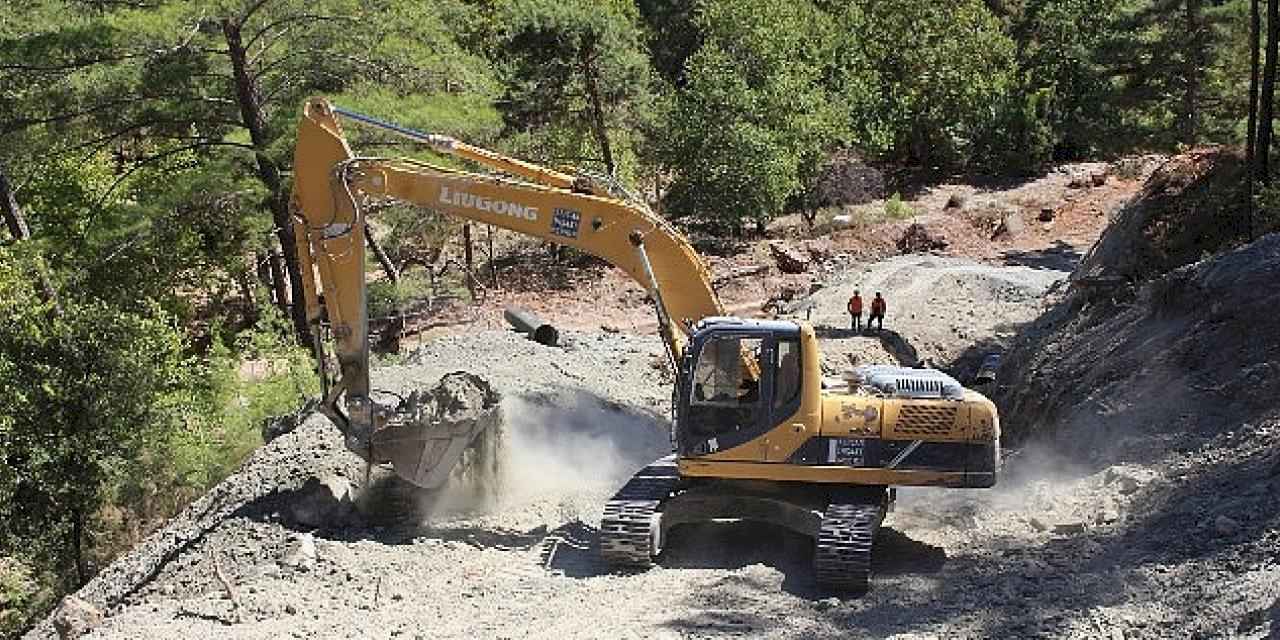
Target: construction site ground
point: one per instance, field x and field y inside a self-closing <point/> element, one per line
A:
<point x="1163" y="537"/>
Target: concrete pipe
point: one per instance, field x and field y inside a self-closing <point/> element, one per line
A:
<point x="525" y="322"/>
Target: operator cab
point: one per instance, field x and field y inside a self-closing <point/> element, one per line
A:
<point x="738" y="379"/>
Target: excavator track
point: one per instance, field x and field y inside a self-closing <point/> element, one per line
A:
<point x="842" y="549"/>
<point x="629" y="530"/>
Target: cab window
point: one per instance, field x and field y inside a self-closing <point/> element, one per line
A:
<point x="787" y="382"/>
<point x="726" y="385"/>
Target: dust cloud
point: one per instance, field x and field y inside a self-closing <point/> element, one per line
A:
<point x="561" y="450"/>
<point x="1035" y="479"/>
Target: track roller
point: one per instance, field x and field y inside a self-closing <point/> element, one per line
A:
<point x="630" y="531"/>
<point x="842" y="548"/>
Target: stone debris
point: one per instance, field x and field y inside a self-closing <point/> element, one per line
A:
<point x="919" y="239"/>
<point x="788" y="260"/>
<point x="322" y="501"/>
<point x="302" y="554"/>
<point x="75" y="617"/>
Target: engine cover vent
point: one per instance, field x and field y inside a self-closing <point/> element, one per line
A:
<point x="925" y="420"/>
<point x="905" y="382"/>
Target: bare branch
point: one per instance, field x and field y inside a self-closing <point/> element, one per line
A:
<point x="296" y="18"/>
<point x="23" y="123"/>
<point x="251" y="10"/>
<point x="69" y="66"/>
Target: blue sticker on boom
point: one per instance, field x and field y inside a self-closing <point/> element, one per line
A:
<point x="564" y="222"/>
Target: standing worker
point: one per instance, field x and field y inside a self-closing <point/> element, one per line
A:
<point x="855" y="311"/>
<point x="877" y="312"/>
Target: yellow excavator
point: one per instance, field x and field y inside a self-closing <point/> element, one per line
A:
<point x="757" y="433"/>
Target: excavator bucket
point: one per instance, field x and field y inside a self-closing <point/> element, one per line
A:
<point x="452" y="430"/>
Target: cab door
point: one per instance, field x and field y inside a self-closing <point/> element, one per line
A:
<point x="726" y="397"/>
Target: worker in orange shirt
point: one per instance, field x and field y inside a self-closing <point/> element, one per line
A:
<point x="877" y="312"/>
<point x="855" y="311"/>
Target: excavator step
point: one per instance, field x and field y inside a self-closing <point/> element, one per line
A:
<point x="842" y="549"/>
<point x="629" y="530"/>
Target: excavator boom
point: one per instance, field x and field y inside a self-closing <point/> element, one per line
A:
<point x="332" y="188"/>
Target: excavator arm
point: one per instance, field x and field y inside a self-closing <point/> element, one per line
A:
<point x="333" y="187"/>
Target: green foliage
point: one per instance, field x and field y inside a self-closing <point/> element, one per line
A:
<point x="388" y="298"/>
<point x="21" y="595"/>
<point x="917" y="78"/>
<point x="1019" y="137"/>
<point x="87" y="391"/>
<point x="751" y="119"/>
<point x="573" y="66"/>
<point x="896" y="209"/>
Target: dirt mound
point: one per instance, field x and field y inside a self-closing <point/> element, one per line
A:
<point x="1193" y="351"/>
<point x="938" y="307"/>
<point x="1190" y="207"/>
<point x="1168" y="404"/>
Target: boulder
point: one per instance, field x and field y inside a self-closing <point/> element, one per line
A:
<point x="301" y="555"/>
<point x="75" y="617"/>
<point x="322" y="501"/>
<point x="1068" y="528"/>
<point x="1011" y="225"/>
<point x="789" y="260"/>
<point x="1126" y="480"/>
<point x="1226" y="526"/>
<point x="1047" y="214"/>
<point x="918" y="239"/>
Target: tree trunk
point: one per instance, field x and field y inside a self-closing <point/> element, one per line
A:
<point x="13" y="218"/>
<point x="597" y="108"/>
<point x="77" y="547"/>
<point x="279" y="281"/>
<point x="1193" y="63"/>
<point x="250" y="300"/>
<point x="493" y="262"/>
<point x="470" y="258"/>
<point x="393" y="274"/>
<point x="17" y="225"/>
<point x="1250" y="151"/>
<point x="1267" y="98"/>
<point x="255" y="121"/>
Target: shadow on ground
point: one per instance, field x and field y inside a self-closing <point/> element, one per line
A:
<point x="573" y="550"/>
<point x="891" y="340"/>
<point x="1059" y="256"/>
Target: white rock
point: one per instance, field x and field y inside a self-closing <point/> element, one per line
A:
<point x="302" y="555"/>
